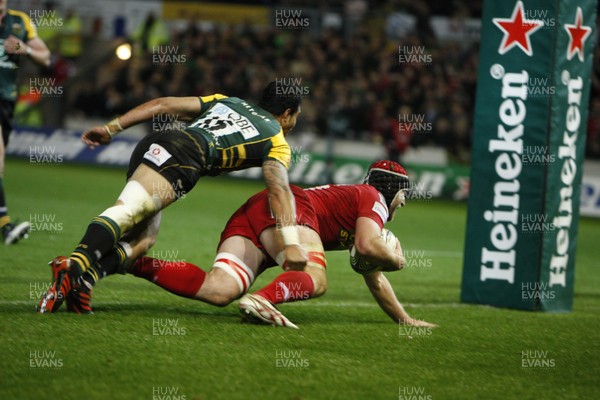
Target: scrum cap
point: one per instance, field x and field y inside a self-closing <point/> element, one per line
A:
<point x="388" y="177"/>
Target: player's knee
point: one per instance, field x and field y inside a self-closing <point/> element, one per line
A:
<point x="147" y="237"/>
<point x="219" y="288"/>
<point x="135" y="205"/>
<point x="222" y="300"/>
<point x="322" y="288"/>
<point x="221" y="296"/>
<point x="316" y="267"/>
<point x="320" y="283"/>
<point x="235" y="271"/>
<point x="147" y="243"/>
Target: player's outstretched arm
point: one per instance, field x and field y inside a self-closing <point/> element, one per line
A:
<point x="382" y="291"/>
<point x="183" y="108"/>
<point x="370" y="244"/>
<point x="283" y="207"/>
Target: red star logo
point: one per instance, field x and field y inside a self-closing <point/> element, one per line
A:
<point x="577" y="36"/>
<point x="517" y="30"/>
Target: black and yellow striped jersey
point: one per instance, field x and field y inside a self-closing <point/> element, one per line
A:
<point x="239" y="135"/>
<point x="15" y="23"/>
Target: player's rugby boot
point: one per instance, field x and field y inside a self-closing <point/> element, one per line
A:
<point x="12" y="233"/>
<point x="256" y="309"/>
<point x="61" y="286"/>
<point x="58" y="265"/>
<point x="79" y="300"/>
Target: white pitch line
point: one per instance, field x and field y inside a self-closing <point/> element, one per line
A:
<point x="18" y="302"/>
<point x="373" y="304"/>
<point x="437" y="305"/>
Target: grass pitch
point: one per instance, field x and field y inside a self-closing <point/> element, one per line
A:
<point x="144" y="343"/>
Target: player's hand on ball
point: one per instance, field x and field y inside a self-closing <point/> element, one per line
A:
<point x="96" y="136"/>
<point x="295" y="257"/>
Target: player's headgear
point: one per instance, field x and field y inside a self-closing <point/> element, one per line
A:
<point x="388" y="177"/>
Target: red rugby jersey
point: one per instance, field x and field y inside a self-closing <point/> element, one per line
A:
<point x="337" y="208"/>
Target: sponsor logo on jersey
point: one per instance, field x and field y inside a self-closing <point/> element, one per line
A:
<point x="221" y="120"/>
<point x="16" y="29"/>
<point x="157" y="154"/>
<point x="381" y="210"/>
<point x="346" y="238"/>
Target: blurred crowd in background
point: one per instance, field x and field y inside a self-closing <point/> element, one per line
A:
<point x="357" y="87"/>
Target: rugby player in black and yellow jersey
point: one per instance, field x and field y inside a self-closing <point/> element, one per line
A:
<point x="18" y="39"/>
<point x="224" y="134"/>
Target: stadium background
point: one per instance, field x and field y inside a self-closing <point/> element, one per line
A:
<point x="389" y="79"/>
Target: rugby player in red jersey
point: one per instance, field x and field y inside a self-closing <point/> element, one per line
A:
<point x="224" y="134"/>
<point x="347" y="215"/>
<point x="343" y="215"/>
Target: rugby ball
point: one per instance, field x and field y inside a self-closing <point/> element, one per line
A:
<point x="359" y="263"/>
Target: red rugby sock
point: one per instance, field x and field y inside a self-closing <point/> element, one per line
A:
<point x="289" y="286"/>
<point x="178" y="277"/>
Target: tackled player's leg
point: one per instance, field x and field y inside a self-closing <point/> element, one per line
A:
<point x="237" y="263"/>
<point x="290" y="285"/>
